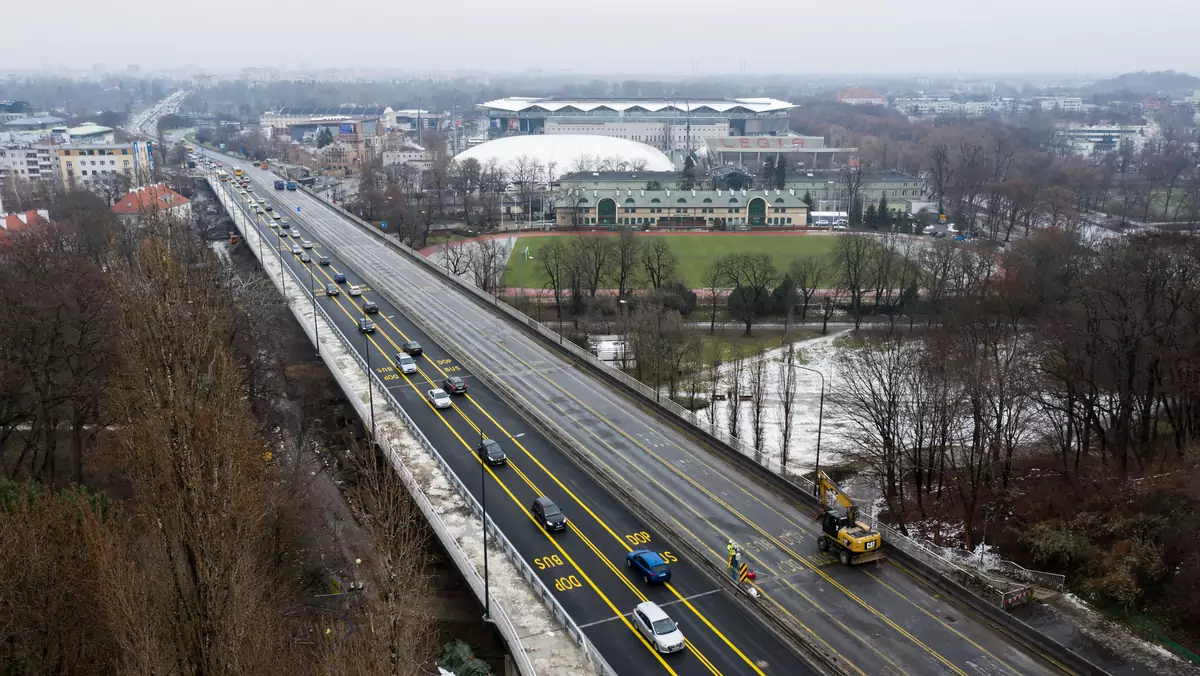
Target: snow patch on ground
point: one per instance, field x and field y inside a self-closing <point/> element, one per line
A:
<point x="221" y="249"/>
<point x="819" y="354"/>
<point x="1116" y="637"/>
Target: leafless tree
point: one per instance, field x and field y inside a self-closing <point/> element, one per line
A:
<point x="787" y="403"/>
<point x="394" y="629"/>
<point x="555" y="259"/>
<point x="626" y="257"/>
<point x="871" y="393"/>
<point x="595" y="256"/>
<point x="808" y="272"/>
<point x="737" y="384"/>
<point x="854" y="256"/>
<point x="758" y="409"/>
<point x="712" y="368"/>
<point x="714" y="281"/>
<point x="658" y="261"/>
<point x="456" y="257"/>
<point x="489" y="257"/>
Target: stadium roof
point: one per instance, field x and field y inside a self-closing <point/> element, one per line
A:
<point x="341" y="111"/>
<point x="523" y="104"/>
<point x="570" y="152"/>
<point x="31" y="122"/>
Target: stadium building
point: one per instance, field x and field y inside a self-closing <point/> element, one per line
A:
<point x="671" y="125"/>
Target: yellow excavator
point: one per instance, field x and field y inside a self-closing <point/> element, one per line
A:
<point x="854" y="541"/>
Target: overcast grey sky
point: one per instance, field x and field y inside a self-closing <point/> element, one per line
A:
<point x="626" y="36"/>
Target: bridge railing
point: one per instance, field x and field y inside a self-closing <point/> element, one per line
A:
<point x="500" y="615"/>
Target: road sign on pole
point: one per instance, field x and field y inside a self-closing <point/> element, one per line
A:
<point x="297" y="209"/>
<point x="383" y="225"/>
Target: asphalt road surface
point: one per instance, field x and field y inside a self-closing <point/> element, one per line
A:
<point x="880" y="619"/>
<point x="585" y="565"/>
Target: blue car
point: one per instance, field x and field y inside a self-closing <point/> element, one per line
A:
<point x="339" y="278"/>
<point x="649" y="565"/>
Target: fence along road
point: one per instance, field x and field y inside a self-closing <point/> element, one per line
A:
<point x="879" y="620"/>
<point x="584" y="567"/>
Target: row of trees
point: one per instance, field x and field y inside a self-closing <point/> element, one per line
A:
<point x="1079" y="360"/>
<point x="119" y="345"/>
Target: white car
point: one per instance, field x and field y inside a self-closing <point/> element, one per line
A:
<point x="275" y="216"/>
<point x="306" y="244"/>
<point x="840" y="226"/>
<point x="821" y="223"/>
<point x="355" y="290"/>
<point x="297" y="250"/>
<point x="928" y="230"/>
<point x="658" y="628"/>
<point x="406" y="363"/>
<point x="439" y="399"/>
<point x="294" y="233"/>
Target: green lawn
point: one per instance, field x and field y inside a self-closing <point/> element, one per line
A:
<point x="695" y="253"/>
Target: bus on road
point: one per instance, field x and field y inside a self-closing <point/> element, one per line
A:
<point x="222" y="176"/>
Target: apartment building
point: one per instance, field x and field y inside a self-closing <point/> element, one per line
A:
<point x="85" y="165"/>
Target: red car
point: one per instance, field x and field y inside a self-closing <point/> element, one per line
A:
<point x="455" y="385"/>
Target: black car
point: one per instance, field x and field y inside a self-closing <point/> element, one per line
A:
<point x="370" y="307"/>
<point x="366" y="325"/>
<point x="323" y="260"/>
<point x="413" y="348"/>
<point x="491" y="453"/>
<point x="269" y="208"/>
<point x="339" y="278"/>
<point x="332" y="290"/>
<point x="548" y="514"/>
<point x="455" y="385"/>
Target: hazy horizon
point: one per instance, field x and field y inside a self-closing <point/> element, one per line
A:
<point x="624" y="37"/>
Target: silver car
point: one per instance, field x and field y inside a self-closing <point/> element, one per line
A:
<point x="295" y="233"/>
<point x="438" y="397"/>
<point x="297" y="250"/>
<point x="406" y="363"/>
<point x="658" y="628"/>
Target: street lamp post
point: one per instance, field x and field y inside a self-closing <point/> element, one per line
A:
<point x="820" y="423"/>
<point x="313" y="292"/>
<point x="370" y="385"/>
<point x="487" y="588"/>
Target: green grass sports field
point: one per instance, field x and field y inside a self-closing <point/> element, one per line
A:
<point x="695" y="253"/>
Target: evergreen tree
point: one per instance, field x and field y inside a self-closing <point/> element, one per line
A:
<point x="871" y="218"/>
<point x="324" y="137"/>
<point x="856" y="211"/>
<point x="688" y="180"/>
<point x="883" y="214"/>
<point x="768" y="173"/>
<point x="780" y="173"/>
<point x="807" y="199"/>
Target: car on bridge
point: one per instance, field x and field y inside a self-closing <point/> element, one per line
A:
<point x="649" y="565"/>
<point x="355" y="290"/>
<point x="658" y="628"/>
<point x="491" y="453"/>
<point x="370" y="307"/>
<point x="306" y="244"/>
<point x="546" y="513"/>
<point x="365" y="325"/>
<point x="406" y="363"/>
<point x="332" y="290"/>
<point x="305" y="257"/>
<point x="454" y="385"/>
<point x="323" y="260"/>
<point x="269" y="208"/>
<point x="413" y="347"/>
<point x="296" y="251"/>
<point x="294" y="233"/>
<point x="439" y="398"/>
<point x="276" y="216"/>
<point x="339" y="277"/>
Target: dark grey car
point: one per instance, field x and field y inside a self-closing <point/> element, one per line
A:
<point x="548" y="514"/>
<point x="491" y="453"/>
